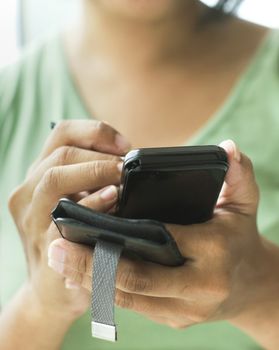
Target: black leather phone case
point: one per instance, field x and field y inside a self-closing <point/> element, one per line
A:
<point x="147" y="239"/>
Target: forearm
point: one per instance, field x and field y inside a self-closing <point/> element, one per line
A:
<point x="261" y="320"/>
<point x="25" y="325"/>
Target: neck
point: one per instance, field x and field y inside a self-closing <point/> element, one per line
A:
<point x="139" y="42"/>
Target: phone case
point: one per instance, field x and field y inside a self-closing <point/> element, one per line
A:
<point x="178" y="185"/>
<point x="147" y="239"/>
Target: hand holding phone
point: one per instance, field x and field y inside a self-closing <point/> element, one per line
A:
<point x="174" y="185"/>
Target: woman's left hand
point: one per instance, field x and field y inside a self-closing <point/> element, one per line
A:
<point x="222" y="277"/>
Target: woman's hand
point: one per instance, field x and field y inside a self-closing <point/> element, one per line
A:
<point x="227" y="262"/>
<point x="79" y="158"/>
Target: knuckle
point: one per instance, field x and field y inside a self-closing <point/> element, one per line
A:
<point x="51" y="178"/>
<point x="97" y="170"/>
<point x="101" y="133"/>
<point x="15" y="199"/>
<point x="73" y="275"/>
<point x="100" y="126"/>
<point x="132" y="282"/>
<point x="81" y="263"/>
<point x="124" y="300"/>
<point x="63" y="154"/>
<point x="99" y="129"/>
<point x="98" y="132"/>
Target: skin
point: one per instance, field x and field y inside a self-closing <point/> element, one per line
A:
<point x="81" y="158"/>
<point x="168" y="52"/>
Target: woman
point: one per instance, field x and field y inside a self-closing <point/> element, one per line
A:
<point x="157" y="71"/>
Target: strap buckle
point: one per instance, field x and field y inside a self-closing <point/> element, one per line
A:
<point x="103" y="331"/>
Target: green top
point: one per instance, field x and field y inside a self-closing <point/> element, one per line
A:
<point x="39" y="89"/>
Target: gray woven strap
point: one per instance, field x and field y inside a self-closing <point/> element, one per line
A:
<point x="105" y="260"/>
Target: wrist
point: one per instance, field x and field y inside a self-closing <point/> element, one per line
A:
<point x="22" y="315"/>
<point x="260" y="316"/>
<point x="39" y="309"/>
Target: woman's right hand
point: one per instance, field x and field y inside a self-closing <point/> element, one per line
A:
<point x="81" y="160"/>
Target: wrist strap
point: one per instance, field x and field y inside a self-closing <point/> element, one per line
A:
<point x="105" y="260"/>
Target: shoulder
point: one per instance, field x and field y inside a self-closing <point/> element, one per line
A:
<point x="32" y="70"/>
<point x="28" y="91"/>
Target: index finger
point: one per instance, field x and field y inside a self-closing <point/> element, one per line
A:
<point x="86" y="134"/>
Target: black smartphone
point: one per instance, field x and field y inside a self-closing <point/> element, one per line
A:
<point x="177" y="185"/>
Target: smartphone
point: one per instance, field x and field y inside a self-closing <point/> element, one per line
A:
<point x="178" y="185"/>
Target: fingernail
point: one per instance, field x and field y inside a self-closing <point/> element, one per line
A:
<point x="231" y="144"/>
<point x="56" y="265"/>
<point x="109" y="193"/>
<point x="120" y="167"/>
<point x="122" y="143"/>
<point x="69" y="284"/>
<point x="56" y="253"/>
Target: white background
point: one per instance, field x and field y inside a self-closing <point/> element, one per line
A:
<point x="8" y="31"/>
<point x="41" y="16"/>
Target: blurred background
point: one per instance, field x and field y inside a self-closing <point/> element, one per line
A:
<point x="22" y="21"/>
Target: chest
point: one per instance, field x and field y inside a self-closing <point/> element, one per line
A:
<point x="156" y="112"/>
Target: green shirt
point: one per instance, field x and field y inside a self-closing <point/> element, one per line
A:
<point x="39" y="89"/>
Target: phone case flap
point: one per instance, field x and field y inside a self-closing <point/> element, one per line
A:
<point x="148" y="239"/>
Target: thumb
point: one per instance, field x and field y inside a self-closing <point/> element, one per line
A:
<point x="240" y="192"/>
